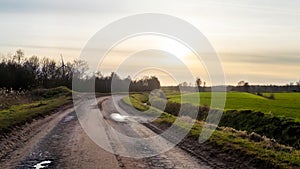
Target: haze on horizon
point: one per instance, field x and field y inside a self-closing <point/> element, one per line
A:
<point x="256" y="40"/>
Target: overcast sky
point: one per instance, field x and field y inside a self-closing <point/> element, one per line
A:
<point x="257" y="40"/>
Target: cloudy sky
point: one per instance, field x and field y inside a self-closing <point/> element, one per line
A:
<point x="256" y="40"/>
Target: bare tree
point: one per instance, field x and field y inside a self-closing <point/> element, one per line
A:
<point x="298" y="83"/>
<point x="80" y="69"/>
<point x="243" y="86"/>
<point x="19" y="56"/>
<point x="241" y="83"/>
<point x="198" y="82"/>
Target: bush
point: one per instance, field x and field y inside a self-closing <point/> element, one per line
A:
<point x="51" y="93"/>
<point x="272" y="96"/>
<point x="195" y="112"/>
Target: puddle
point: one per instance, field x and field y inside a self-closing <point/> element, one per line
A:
<point x="42" y="164"/>
<point x="132" y="119"/>
<point x="68" y="118"/>
<point x="118" y="117"/>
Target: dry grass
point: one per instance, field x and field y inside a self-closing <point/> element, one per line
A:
<point x="11" y="97"/>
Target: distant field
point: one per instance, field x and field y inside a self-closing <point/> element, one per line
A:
<point x="284" y="104"/>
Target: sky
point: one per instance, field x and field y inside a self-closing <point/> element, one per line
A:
<point x="256" y="40"/>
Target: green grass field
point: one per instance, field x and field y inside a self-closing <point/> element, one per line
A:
<point x="284" y="104"/>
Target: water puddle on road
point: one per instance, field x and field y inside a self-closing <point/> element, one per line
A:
<point x="42" y="164"/>
<point x="118" y="117"/>
<point x="129" y="119"/>
<point x="68" y="118"/>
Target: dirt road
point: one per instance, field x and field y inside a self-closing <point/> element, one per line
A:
<point x="59" y="141"/>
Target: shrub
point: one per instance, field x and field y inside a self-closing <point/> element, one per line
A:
<point x="272" y="96"/>
<point x="51" y="93"/>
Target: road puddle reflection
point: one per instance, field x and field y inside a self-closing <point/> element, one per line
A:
<point x="118" y="117"/>
<point x="43" y="164"/>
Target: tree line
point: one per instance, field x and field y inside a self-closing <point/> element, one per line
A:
<point x="18" y="72"/>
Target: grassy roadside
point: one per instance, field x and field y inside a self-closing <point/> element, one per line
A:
<point x="138" y="101"/>
<point x="262" y="150"/>
<point x="50" y="100"/>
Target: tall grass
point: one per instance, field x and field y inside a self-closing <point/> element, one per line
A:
<point x="9" y="97"/>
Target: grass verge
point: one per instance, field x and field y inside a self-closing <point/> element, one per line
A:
<point x="18" y="115"/>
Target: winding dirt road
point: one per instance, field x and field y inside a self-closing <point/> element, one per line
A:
<point x="60" y="141"/>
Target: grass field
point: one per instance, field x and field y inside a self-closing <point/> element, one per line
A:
<point x="284" y="104"/>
